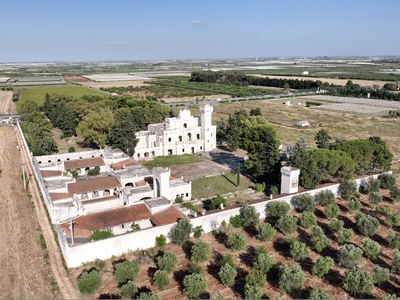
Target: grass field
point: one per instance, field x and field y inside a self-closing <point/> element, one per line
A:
<point x="209" y="186"/>
<point x="37" y="94"/>
<point x="173" y="160"/>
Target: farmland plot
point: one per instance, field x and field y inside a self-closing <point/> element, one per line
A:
<point x="6" y="104"/>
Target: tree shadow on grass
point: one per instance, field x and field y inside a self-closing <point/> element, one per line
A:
<point x="187" y="249"/>
<point x="240" y="282"/>
<point x="334" y="278"/>
<point x="109" y="296"/>
<point x="179" y="275"/>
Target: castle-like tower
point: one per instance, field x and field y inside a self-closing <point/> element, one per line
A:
<point x="208" y="131"/>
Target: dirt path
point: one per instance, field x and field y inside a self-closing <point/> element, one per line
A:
<point x="67" y="288"/>
<point x="6" y="104"/>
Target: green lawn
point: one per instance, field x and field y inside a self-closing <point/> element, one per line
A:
<point x="210" y="186"/>
<point x="172" y="160"/>
<point x="37" y="94"/>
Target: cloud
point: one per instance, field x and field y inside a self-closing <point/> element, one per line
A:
<point x="117" y="43"/>
<point x="196" y="22"/>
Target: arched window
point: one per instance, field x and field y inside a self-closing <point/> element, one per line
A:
<point x="185" y="125"/>
<point x="198" y="136"/>
<point x="180" y="138"/>
<point x="189" y="136"/>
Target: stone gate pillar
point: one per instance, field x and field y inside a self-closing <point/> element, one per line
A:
<point x="289" y="180"/>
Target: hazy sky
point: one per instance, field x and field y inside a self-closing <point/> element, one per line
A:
<point x="36" y="30"/>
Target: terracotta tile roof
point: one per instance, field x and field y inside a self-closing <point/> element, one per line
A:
<point x="127" y="163"/>
<point x="170" y="215"/>
<point x="94" y="200"/>
<point x="83" y="163"/>
<point x="47" y="174"/>
<point x="58" y="196"/>
<point x="96" y="184"/>
<point x="113" y="217"/>
<point x="140" y="183"/>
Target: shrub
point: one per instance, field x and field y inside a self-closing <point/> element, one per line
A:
<point x="265" y="232"/>
<point x="160" y="279"/>
<point x="179" y="200"/>
<point x="371" y="249"/>
<point x="390" y="297"/>
<point x="304" y="202"/>
<point x="260" y="250"/>
<point x="373" y="185"/>
<point x="227" y="274"/>
<point x="345" y="235"/>
<point x="198" y="231"/>
<point x="94" y="172"/>
<point x="287" y="224"/>
<point x="325" y="198"/>
<point x="129" y="290"/>
<point x="380" y="275"/>
<point x="100" y="235"/>
<point x="375" y="198"/>
<point x="317" y="231"/>
<point x="252" y="292"/>
<point x="332" y="211"/>
<point x="190" y="205"/>
<point x="354" y="205"/>
<point x="395" y="194"/>
<point x="318" y="294"/>
<point x="249" y="215"/>
<point x="358" y="282"/>
<point x="195" y="285"/>
<point x="291" y="278"/>
<point x="125" y="271"/>
<point x="200" y="251"/>
<point x="396" y="263"/>
<point x="227" y="258"/>
<point x="236" y="240"/>
<point x="167" y="262"/>
<point x="336" y="225"/>
<point x="321" y="242"/>
<point x="180" y="233"/>
<point x="277" y="209"/>
<point x="349" y="255"/>
<point x="236" y="221"/>
<point x="71" y="149"/>
<point x="196" y="269"/>
<point x="161" y="240"/>
<point x="392" y="219"/>
<point x="256" y="278"/>
<point x="347" y="189"/>
<point x="366" y="224"/>
<point x="148" y="296"/>
<point x="394" y="240"/>
<point x="299" y="251"/>
<point x="218" y="297"/>
<point x="308" y="219"/>
<point x="214" y="203"/>
<point x="322" y="266"/>
<point x="259" y="187"/>
<point x="387" y="180"/>
<point x="264" y="262"/>
<point x="89" y="282"/>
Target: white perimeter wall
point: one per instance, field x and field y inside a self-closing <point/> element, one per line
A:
<point x="143" y="239"/>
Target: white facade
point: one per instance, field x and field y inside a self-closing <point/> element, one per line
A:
<point x="177" y="136"/>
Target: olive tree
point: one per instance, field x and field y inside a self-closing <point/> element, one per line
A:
<point x="167" y="262"/>
<point x="194" y="285"/>
<point x="332" y="211"/>
<point x="345" y="235"/>
<point x="287" y="224"/>
<point x="371" y="249"/>
<point x="200" y="251"/>
<point x="304" y="202"/>
<point x="318" y="294"/>
<point x="180" y="233"/>
<point x="299" y="251"/>
<point x="129" y="290"/>
<point x="325" y="198"/>
<point x="374" y="198"/>
<point x="336" y="225"/>
<point x="249" y="215"/>
<point x="358" y="282"/>
<point x="347" y="189"/>
<point x="291" y="278"/>
<point x="322" y="266"/>
<point x="367" y="224"/>
<point x="349" y="255"/>
<point x="263" y="262"/>
<point x="160" y="279"/>
<point x="308" y="219"/>
<point x="265" y="231"/>
<point x="252" y="292"/>
<point x="277" y="209"/>
<point x="227" y="274"/>
<point x="380" y="275"/>
<point x="396" y="263"/>
<point x="236" y="240"/>
<point x="354" y="205"/>
<point x="387" y="180"/>
<point x="89" y="282"/>
<point x="395" y="194"/>
<point x="256" y="278"/>
<point x="373" y="185"/>
<point x="125" y="271"/>
<point x="394" y="240"/>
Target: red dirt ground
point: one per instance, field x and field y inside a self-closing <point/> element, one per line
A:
<point x="330" y="284"/>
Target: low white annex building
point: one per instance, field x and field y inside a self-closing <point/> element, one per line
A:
<point x="177" y="136"/>
<point x="124" y="192"/>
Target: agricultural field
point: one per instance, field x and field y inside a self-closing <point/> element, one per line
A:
<point x="278" y="248"/>
<point x="7" y="106"/>
<point x="37" y="94"/>
<point x="283" y="119"/>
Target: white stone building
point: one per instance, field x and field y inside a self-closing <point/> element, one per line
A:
<point x="113" y="198"/>
<point x="177" y="136"/>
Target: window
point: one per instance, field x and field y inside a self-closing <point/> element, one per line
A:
<point x="201" y="148"/>
<point x="80" y="157"/>
<point x="67" y="158"/>
<point x="58" y="159"/>
<point x="122" y="226"/>
<point x="180" y="138"/>
<point x="187" y="194"/>
<point x="169" y="139"/>
<point x="198" y="136"/>
<point x="49" y="160"/>
<point x="185" y="125"/>
<point x="39" y="162"/>
<point x="183" y="150"/>
<point x="138" y="155"/>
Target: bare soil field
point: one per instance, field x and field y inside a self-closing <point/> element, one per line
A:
<point x="7" y="106"/>
<point x="186" y="99"/>
<point x="25" y="273"/>
<point x="75" y="79"/>
<point x="332" y="283"/>
<point x="329" y="80"/>
<point x="98" y="85"/>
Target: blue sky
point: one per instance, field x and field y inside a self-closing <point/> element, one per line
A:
<point x="36" y="30"/>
